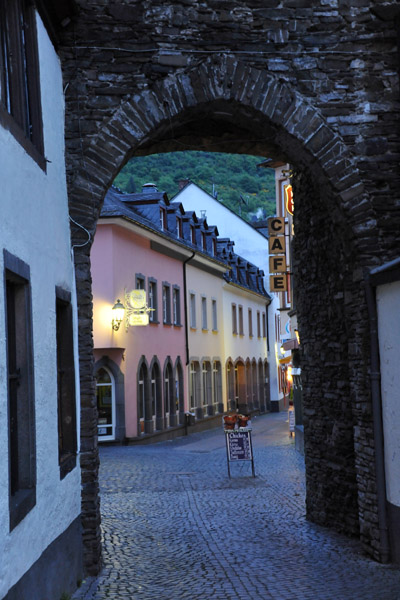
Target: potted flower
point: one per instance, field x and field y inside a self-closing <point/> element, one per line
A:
<point x="230" y="421"/>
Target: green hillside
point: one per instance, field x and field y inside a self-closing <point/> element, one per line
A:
<point x="238" y="182"/>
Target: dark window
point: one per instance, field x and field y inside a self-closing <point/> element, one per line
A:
<point x="241" y="330"/>
<point x="65" y="384"/>
<point x="192" y="308"/>
<point x="20" y="109"/>
<point x="250" y="323"/>
<point x="204" y="313"/>
<point x="179" y="230"/>
<point x="258" y="324"/>
<point x="153" y="317"/>
<point x="264" y="325"/>
<point x="163" y="218"/>
<point x="140" y="281"/>
<point x="166" y="300"/>
<point x="234" y="319"/>
<point x="214" y="315"/>
<point x="21" y="402"/>
<point x="176" y="300"/>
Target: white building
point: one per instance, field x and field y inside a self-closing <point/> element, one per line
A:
<point x="40" y="532"/>
<point x="250" y="244"/>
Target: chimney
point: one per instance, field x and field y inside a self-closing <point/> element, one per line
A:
<point x="182" y="183"/>
<point x="149" y="188"/>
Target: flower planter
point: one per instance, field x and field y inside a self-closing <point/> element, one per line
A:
<point x="242" y="420"/>
<point x="230" y="421"/>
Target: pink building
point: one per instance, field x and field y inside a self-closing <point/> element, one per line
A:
<point x="141" y="386"/>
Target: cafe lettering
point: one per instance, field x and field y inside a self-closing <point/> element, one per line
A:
<point x="277" y="251"/>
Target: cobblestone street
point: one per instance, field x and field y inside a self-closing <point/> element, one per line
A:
<point x="176" y="527"/>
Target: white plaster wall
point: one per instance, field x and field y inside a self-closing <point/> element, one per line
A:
<point x="34" y="226"/>
<point x="388" y="306"/>
<point x="249" y="243"/>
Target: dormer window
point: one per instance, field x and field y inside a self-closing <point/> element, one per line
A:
<point x="214" y="247"/>
<point x="192" y="235"/>
<point x="203" y="241"/>
<point x="179" y="232"/>
<point x="163" y="218"/>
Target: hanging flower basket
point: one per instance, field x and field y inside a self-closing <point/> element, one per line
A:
<point x="229" y="421"/>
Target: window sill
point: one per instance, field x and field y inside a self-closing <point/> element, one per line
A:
<point x="21" y="504"/>
<point x="10" y="124"/>
<point x="67" y="464"/>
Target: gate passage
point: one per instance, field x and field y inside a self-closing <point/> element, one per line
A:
<point x="239" y="447"/>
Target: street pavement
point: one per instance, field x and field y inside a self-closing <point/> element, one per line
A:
<point x="176" y="527"/>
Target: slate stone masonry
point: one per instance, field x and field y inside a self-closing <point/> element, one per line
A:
<point x="314" y="83"/>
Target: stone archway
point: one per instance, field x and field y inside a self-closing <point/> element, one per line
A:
<point x="242" y="99"/>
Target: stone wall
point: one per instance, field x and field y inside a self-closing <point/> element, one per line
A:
<point x="314" y="83"/>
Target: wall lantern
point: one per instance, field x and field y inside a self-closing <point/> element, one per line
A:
<point x="296" y="332"/>
<point x="282" y="349"/>
<point x="118" y="315"/>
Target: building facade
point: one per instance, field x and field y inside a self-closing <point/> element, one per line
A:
<point x="139" y="368"/>
<point x="251" y="244"/>
<point x="40" y="478"/>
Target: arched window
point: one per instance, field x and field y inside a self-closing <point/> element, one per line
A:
<point x="179" y="392"/>
<point x="267" y="394"/>
<point x="240" y="387"/>
<point x="105" y="395"/>
<point x="230" y="374"/>
<point x="256" y="403"/>
<point x="217" y="387"/>
<point x="261" y="384"/>
<point x="194" y="385"/>
<point x="169" y="400"/>
<point x="249" y="391"/>
<point x="156" y="397"/>
<point x="142" y="381"/>
<point x="207" y="388"/>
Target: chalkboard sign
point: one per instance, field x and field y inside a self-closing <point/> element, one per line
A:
<point x="239" y="445"/>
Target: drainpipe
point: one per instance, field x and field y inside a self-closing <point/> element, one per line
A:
<point x="185" y="305"/>
<point x="375" y="378"/>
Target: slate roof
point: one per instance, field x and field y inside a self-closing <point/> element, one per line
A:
<point x="144" y="209"/>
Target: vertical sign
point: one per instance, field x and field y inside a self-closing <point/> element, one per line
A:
<point x="289" y="203"/>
